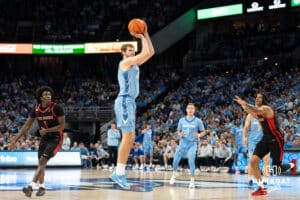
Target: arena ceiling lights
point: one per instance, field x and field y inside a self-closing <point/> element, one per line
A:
<point x="83" y="48"/>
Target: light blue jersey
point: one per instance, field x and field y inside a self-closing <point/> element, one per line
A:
<point x="237" y="131"/>
<point x="189" y="128"/>
<point x="255" y="133"/>
<point x="129" y="81"/>
<point x="113" y="137"/>
<point x="188" y="143"/>
<point x="254" y="136"/>
<point x="147" y="142"/>
<point x="147" y="137"/>
<point x="125" y="106"/>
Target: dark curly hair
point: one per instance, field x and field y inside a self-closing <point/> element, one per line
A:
<point x="40" y="91"/>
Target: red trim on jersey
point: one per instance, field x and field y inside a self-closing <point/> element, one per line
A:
<point x="59" y="144"/>
<point x="45" y="124"/>
<point x="52" y="108"/>
<point x="277" y="134"/>
<point x="43" y="111"/>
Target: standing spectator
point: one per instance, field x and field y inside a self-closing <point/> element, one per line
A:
<point x="113" y="137"/>
<point x="66" y="142"/>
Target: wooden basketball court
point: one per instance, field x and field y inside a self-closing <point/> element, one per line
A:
<point x="73" y="184"/>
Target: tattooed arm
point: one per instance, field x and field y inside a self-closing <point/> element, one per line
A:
<point x="264" y="111"/>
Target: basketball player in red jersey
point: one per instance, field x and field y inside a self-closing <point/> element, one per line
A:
<point x="272" y="140"/>
<point x="51" y="120"/>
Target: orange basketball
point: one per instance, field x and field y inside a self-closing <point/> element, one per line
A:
<point x="137" y="26"/>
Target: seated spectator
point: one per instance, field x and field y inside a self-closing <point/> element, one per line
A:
<point x="103" y="155"/>
<point x="136" y="156"/>
<point x="169" y="153"/>
<point x="223" y="156"/>
<point x="204" y="155"/>
<point x="94" y="155"/>
<point x="75" y="147"/>
<point x="85" y="156"/>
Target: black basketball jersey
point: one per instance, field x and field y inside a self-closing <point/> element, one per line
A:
<point x="47" y="117"/>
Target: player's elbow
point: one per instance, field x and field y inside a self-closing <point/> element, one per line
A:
<point x="152" y="52"/>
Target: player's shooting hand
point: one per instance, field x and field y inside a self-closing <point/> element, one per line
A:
<point x="136" y="35"/>
<point x="146" y="29"/>
<point x="42" y="131"/>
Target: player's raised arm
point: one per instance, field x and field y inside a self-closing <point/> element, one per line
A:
<point x="265" y="111"/>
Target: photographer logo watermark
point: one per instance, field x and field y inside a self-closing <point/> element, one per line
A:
<point x="275" y="181"/>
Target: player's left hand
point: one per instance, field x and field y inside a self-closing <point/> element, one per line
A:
<point x="196" y="135"/>
<point x="43" y="131"/>
<point x="240" y="101"/>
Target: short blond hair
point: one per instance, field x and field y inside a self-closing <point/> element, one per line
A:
<point x="125" y="46"/>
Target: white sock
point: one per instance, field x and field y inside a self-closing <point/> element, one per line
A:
<point x="260" y="184"/>
<point x="120" y="169"/>
<point x="32" y="184"/>
<point x="166" y="166"/>
<point x="193" y="179"/>
<point x="292" y="165"/>
<point x="150" y="165"/>
<point x="42" y="185"/>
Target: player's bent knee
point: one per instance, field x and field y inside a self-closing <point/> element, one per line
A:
<point x="43" y="160"/>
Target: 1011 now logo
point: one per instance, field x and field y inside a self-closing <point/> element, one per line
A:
<point x="275" y="180"/>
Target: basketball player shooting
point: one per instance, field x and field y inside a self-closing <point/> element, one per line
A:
<point x="272" y="140"/>
<point x="125" y="106"/>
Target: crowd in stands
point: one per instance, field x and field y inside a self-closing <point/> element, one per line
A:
<point x="213" y="95"/>
<point x="74" y="21"/>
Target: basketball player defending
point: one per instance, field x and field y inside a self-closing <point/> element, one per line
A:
<point x="190" y="128"/>
<point x="51" y="120"/>
<point x="272" y="140"/>
<point x="125" y="107"/>
<point x="252" y="134"/>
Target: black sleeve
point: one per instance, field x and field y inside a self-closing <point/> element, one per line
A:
<point x="59" y="111"/>
<point x="32" y="113"/>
